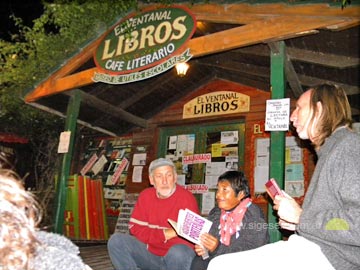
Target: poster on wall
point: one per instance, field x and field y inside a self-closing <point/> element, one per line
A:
<point x="139" y="159"/>
<point x="207" y="202"/>
<point x="180" y="148"/>
<point x="229" y="137"/>
<point x="294" y="167"/>
<point x="224" y="146"/>
<point x="137" y="174"/>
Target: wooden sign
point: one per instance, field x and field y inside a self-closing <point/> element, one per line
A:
<point x="216" y="103"/>
<point x="144" y="45"/>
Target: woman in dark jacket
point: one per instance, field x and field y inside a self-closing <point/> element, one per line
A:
<point x="238" y="224"/>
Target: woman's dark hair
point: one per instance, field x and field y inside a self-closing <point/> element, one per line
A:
<point x="237" y="181"/>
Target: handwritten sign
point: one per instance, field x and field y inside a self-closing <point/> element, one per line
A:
<point x="277" y="114"/>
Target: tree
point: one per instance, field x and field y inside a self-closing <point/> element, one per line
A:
<point x="61" y="31"/>
<point x="64" y="28"/>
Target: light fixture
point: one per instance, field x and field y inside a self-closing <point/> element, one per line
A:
<point x="181" y="68"/>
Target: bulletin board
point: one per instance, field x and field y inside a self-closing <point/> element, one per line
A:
<point x="201" y="153"/>
<point x="296" y="173"/>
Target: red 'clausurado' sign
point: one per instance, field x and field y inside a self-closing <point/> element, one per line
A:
<point x="146" y="39"/>
<point x="197" y="158"/>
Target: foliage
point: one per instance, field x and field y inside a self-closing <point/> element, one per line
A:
<point x="62" y="30"/>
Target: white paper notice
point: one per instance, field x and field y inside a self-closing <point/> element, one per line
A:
<point x="211" y="180"/>
<point x="262" y="151"/>
<point x="137" y="174"/>
<point x="277" y="114"/>
<point x="261" y="176"/>
<point x="64" y="142"/>
<point x="99" y="165"/>
<point x="172" y="142"/>
<point x="229" y="137"/>
<point x="208" y="202"/>
<point x="215" y="168"/>
<point x="181" y="179"/>
<point x="139" y="159"/>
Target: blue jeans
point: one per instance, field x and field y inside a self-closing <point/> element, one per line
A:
<point x="128" y="253"/>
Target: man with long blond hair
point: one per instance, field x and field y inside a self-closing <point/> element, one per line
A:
<point x="327" y="225"/>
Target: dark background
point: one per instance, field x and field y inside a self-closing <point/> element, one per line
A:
<point x="28" y="10"/>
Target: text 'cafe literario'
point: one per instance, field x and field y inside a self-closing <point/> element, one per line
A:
<point x="210" y="86"/>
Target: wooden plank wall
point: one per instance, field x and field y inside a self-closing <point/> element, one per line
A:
<point x="173" y="117"/>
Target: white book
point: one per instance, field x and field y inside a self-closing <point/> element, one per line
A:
<point x="190" y="225"/>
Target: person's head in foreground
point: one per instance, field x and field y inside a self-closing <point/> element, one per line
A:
<point x="232" y="188"/>
<point x="319" y="111"/>
<point x="22" y="245"/>
<point x="19" y="215"/>
<point x="163" y="176"/>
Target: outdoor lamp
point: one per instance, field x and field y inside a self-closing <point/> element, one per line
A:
<point x="181" y="68"/>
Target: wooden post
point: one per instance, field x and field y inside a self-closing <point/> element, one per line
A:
<point x="277" y="138"/>
<point x="70" y="125"/>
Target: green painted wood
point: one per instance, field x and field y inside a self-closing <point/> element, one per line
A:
<point x="76" y="206"/>
<point x="277" y="138"/>
<point x="70" y="125"/>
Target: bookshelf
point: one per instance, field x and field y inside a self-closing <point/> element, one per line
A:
<point x="107" y="159"/>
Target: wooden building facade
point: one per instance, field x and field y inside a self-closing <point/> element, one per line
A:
<point x="241" y="52"/>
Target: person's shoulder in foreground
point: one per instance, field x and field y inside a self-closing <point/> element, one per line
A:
<point x="23" y="245"/>
<point x="57" y="252"/>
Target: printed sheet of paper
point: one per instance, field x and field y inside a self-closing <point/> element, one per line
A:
<point x="261" y="176"/>
<point x="229" y="137"/>
<point x="99" y="165"/>
<point x="172" y="142"/>
<point x="208" y="202"/>
<point x="137" y="174"/>
<point x="139" y="159"/>
<point x="277" y="114"/>
<point x="190" y="225"/>
<point x="181" y="179"/>
<point x="64" y="142"/>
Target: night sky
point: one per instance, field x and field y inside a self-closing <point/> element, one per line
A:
<point x="28" y="10"/>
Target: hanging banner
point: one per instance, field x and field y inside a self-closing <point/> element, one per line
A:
<point x="153" y="40"/>
<point x="216" y="103"/>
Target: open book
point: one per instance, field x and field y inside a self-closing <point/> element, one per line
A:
<point x="190" y="225"/>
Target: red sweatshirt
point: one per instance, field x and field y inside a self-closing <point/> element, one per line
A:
<point x="150" y="215"/>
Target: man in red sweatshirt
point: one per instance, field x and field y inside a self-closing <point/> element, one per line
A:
<point x="152" y="243"/>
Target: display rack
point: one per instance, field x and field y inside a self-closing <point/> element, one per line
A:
<point x="107" y="159"/>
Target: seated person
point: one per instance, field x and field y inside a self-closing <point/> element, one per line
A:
<point x="152" y="243"/>
<point x="238" y="224"/>
<point x="326" y="226"/>
<point x="22" y="245"/>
